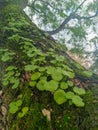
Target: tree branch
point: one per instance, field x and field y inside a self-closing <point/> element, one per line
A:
<point x="71" y="16"/>
<point x="86" y="17"/>
<point x="79" y="6"/>
<point x="32" y="6"/>
<point x="61" y="26"/>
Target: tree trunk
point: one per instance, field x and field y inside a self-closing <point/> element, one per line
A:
<point x="25" y="54"/>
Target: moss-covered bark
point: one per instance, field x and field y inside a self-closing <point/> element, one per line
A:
<point x="25" y="50"/>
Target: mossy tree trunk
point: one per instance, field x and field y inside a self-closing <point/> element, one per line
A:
<point x="28" y="58"/>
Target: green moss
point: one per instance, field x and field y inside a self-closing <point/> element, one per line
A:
<point x="62" y="117"/>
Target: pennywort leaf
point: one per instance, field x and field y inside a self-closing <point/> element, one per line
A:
<point x="79" y="91"/>
<point x="51" y="85"/>
<point x="24" y="112"/>
<point x="87" y="73"/>
<point x="60" y="96"/>
<point x="63" y="85"/>
<point x="77" y="100"/>
<point x="40" y="85"/>
<point x="35" y="76"/>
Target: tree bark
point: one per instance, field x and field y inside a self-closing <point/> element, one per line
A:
<point x="18" y="31"/>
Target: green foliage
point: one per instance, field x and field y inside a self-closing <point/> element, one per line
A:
<point x="24" y="112"/>
<point x="40" y="85"/>
<point x="69" y="95"/>
<point x="77" y="100"/>
<point x="32" y="83"/>
<point x="60" y="96"/>
<point x="14" y="106"/>
<point x="11" y="77"/>
<point x="63" y="85"/>
<point x="51" y="85"/>
<point x="52" y="14"/>
<point x="79" y="91"/>
<point x="70" y="83"/>
<point x="50" y="78"/>
<point x="55" y="78"/>
<point x="29" y="66"/>
<point x="87" y="73"/>
<point x="6" y="55"/>
<point x="35" y="76"/>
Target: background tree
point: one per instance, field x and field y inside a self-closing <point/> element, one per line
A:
<point x="73" y="23"/>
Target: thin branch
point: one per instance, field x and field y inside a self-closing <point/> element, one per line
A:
<point x="32" y="6"/>
<point x="79" y="6"/>
<point x="72" y="16"/>
<point x="86" y="17"/>
<point x="56" y="9"/>
<point x="61" y="27"/>
<point x="33" y="2"/>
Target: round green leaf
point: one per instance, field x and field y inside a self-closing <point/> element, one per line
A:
<point x="16" y="83"/>
<point x="43" y="78"/>
<point x="67" y="68"/>
<point x="60" y="96"/>
<point x="12" y="104"/>
<point x="51" y="85"/>
<point x="30" y="67"/>
<point x="77" y="101"/>
<point x="57" y="76"/>
<point x="69" y="95"/>
<point x="32" y="83"/>
<point x="18" y="103"/>
<point x="13" y="109"/>
<point x="70" y="83"/>
<point x="23" y="113"/>
<point x="68" y="74"/>
<point x="11" y="68"/>
<point x="25" y="109"/>
<point x="63" y="85"/>
<point x="50" y="70"/>
<point x="5" y="82"/>
<point x="87" y="73"/>
<point x="79" y="91"/>
<point x="41" y="69"/>
<point x="60" y="58"/>
<point x="5" y="57"/>
<point x="40" y="85"/>
<point x="35" y="76"/>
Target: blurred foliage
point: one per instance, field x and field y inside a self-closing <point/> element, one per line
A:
<point x="80" y="33"/>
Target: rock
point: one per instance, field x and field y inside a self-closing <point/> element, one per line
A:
<point x="3" y="110"/>
<point x="2" y="129"/>
<point x="47" y="113"/>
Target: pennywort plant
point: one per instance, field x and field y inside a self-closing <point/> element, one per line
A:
<point x="53" y="76"/>
<point x="48" y="70"/>
<point x="16" y="107"/>
<point x="11" y="77"/>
